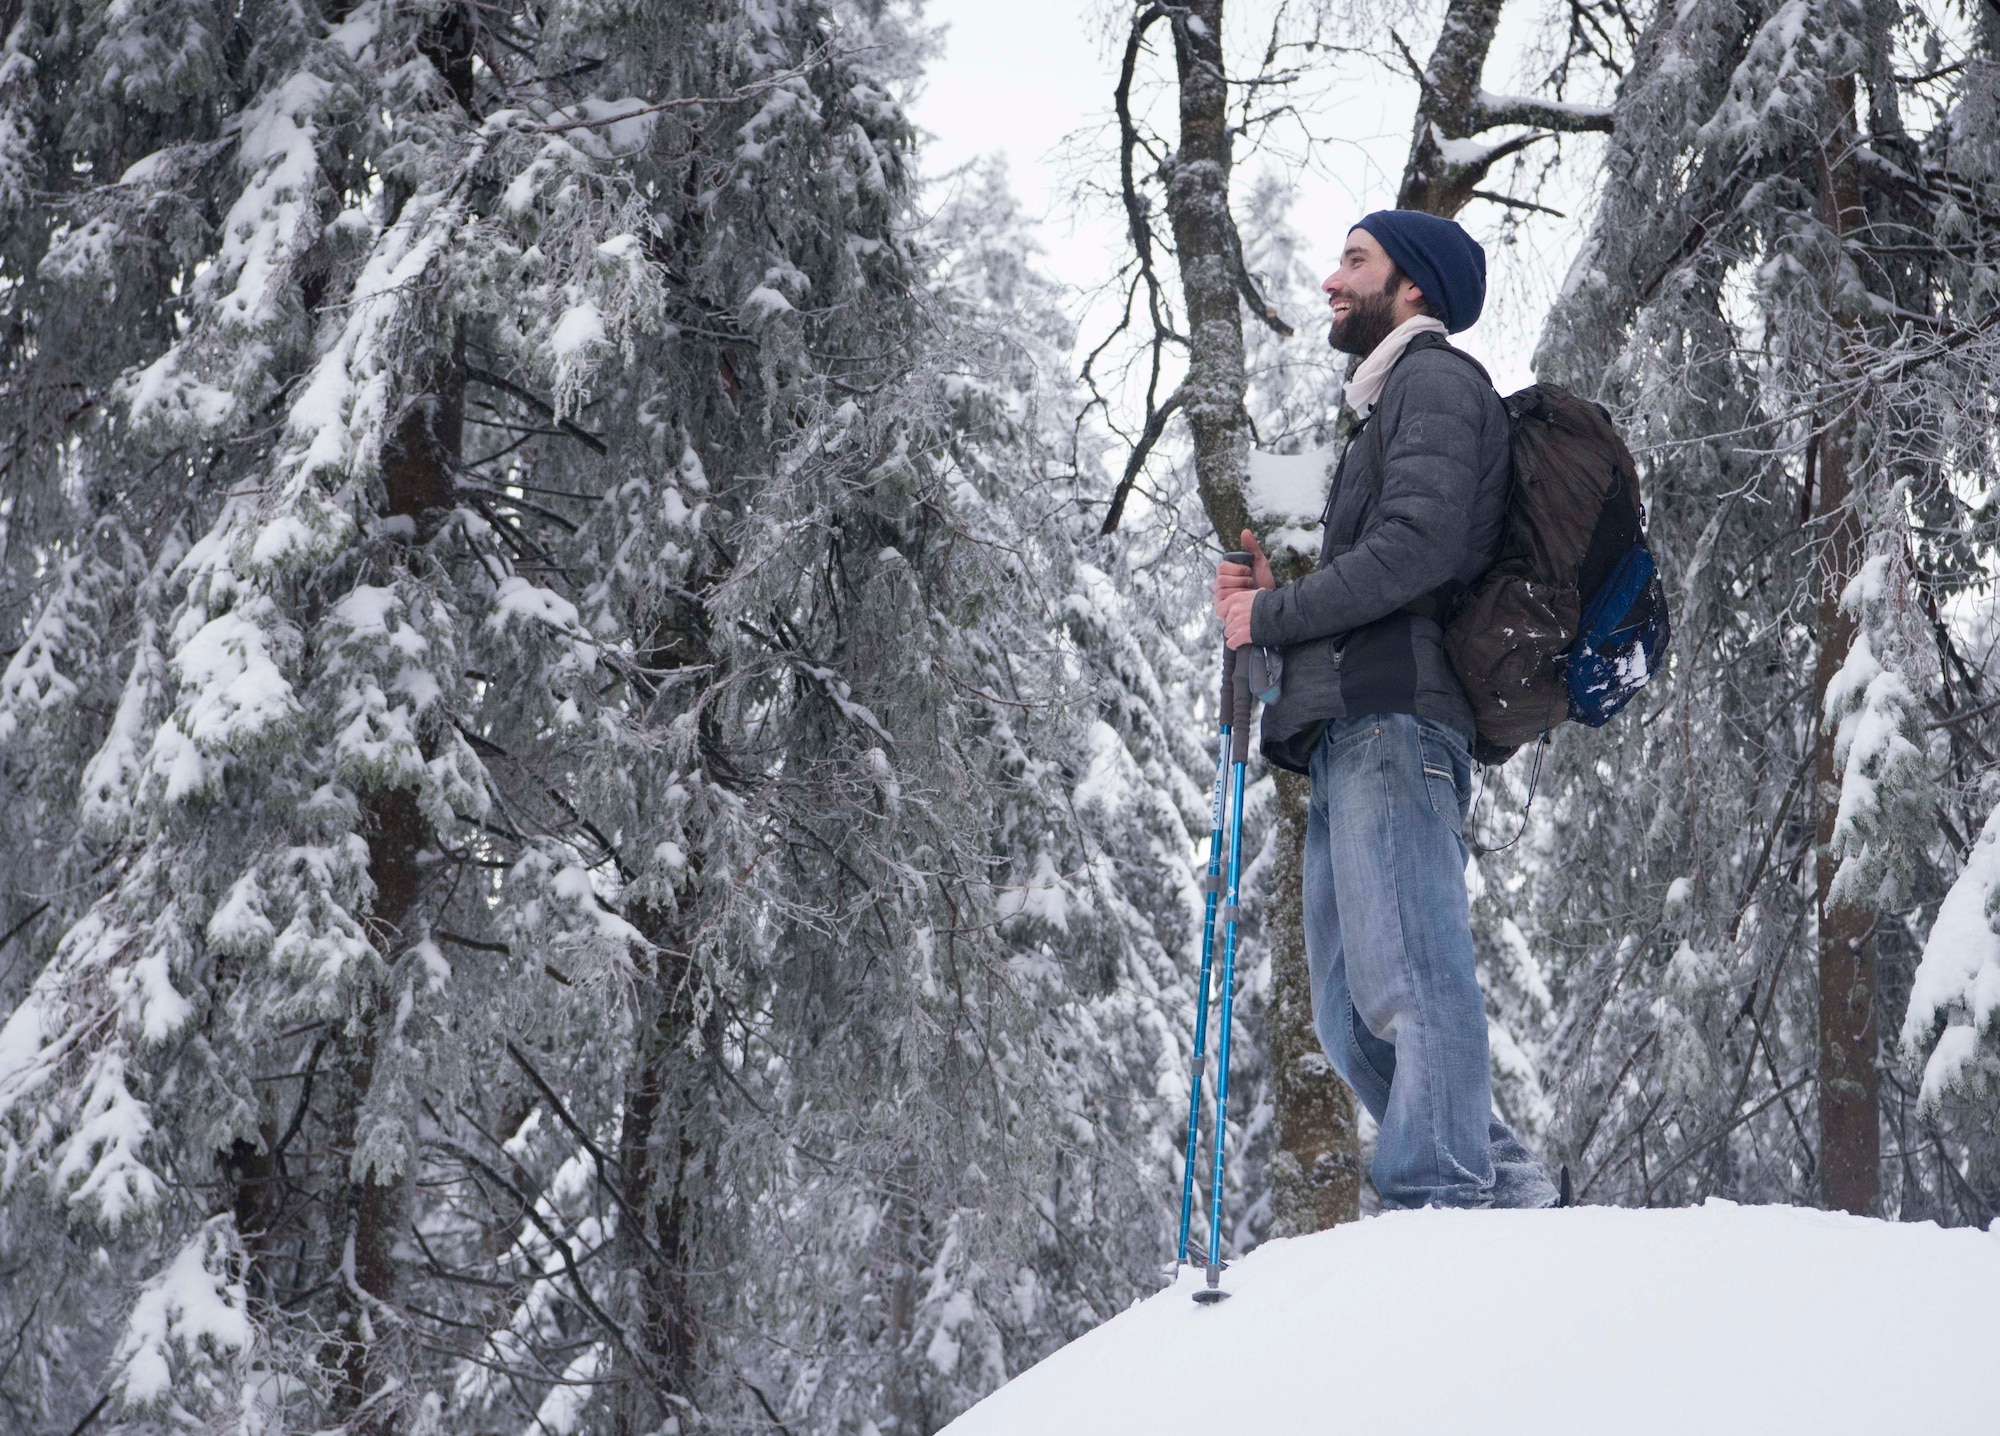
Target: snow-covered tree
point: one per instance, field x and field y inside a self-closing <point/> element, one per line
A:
<point x="583" y="854"/>
<point x="1786" y="296"/>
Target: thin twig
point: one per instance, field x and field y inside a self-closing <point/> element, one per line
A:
<point x="1512" y="203"/>
<point x="305" y="1100"/>
<point x="90" y="1415"/>
<point x="1713" y="1137"/>
<point x="18" y="928"/>
<point x="537" y="403"/>
<point x="585" y="1298"/>
<point x="748" y="92"/>
<point x="635" y="1221"/>
<point x="1156" y="423"/>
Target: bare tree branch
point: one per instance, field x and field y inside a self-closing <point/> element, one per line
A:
<point x="1156" y="423"/>
<point x="749" y="92"/>
<point x="1545" y="114"/>
<point x="1512" y="203"/>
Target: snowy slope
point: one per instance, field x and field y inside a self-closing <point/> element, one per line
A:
<point x="1714" y="1320"/>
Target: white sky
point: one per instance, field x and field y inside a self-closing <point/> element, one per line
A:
<point x="1031" y="80"/>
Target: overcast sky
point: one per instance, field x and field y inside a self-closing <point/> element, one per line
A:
<point x="1031" y="80"/>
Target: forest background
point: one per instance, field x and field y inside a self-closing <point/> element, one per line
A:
<point x="604" y="729"/>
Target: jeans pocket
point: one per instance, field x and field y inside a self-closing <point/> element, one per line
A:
<point x="1447" y="778"/>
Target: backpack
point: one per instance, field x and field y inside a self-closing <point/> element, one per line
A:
<point x="1571" y="620"/>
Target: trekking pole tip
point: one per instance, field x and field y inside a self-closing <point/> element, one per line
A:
<point x="1213" y="1292"/>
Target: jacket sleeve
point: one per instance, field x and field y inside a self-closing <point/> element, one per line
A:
<point x="1416" y="537"/>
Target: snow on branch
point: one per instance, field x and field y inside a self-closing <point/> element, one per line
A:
<point x="622" y="112"/>
<point x="191" y="1319"/>
<point x="1286" y="494"/>
<point x="1885" y="795"/>
<point x="1955" y="995"/>
<point x="1564" y="115"/>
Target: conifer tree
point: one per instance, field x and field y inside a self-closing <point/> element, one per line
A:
<point x="1782" y="295"/>
<point x="567" y="874"/>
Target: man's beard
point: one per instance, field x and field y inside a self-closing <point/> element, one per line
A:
<point x="1367" y="323"/>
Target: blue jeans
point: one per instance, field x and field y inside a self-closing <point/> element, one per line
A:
<point x="1389" y="946"/>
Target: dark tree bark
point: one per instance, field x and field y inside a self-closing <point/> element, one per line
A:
<point x="660" y="1149"/>
<point x="374" y="1396"/>
<point x="1850" y="1133"/>
<point x="657" y="1154"/>
<point x="449" y="42"/>
<point x="1205" y="244"/>
<point x="1315" y="1171"/>
<point x="1448" y="162"/>
<point x="422" y="457"/>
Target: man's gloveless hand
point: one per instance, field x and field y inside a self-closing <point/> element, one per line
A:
<point x="1236" y="589"/>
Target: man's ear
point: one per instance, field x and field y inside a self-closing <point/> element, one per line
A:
<point x="1413" y="296"/>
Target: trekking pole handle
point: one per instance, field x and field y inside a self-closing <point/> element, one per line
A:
<point x="1238" y="556"/>
<point x="1236" y="697"/>
<point x="1227" y="705"/>
<point x="1239" y="733"/>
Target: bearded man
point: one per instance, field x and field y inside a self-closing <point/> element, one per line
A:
<point x="1371" y="709"/>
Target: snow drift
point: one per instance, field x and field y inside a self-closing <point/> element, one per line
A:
<point x="1717" y="1319"/>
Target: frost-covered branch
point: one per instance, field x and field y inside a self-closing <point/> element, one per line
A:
<point x="1561" y="115"/>
<point x="602" y="115"/>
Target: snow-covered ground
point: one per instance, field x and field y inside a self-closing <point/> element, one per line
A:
<point x="1715" y="1320"/>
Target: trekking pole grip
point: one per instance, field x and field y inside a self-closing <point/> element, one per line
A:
<point x="1239" y="735"/>
<point x="1226" y="704"/>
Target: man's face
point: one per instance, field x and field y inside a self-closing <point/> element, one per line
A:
<point x="1364" y="309"/>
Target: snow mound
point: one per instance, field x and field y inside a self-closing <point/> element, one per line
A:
<point x="1715" y="1319"/>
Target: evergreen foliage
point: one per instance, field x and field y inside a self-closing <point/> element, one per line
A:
<point x="584" y="851"/>
<point x="1752" y="335"/>
<point x="590" y="837"/>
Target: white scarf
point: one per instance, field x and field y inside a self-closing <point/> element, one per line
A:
<point x="1366" y="386"/>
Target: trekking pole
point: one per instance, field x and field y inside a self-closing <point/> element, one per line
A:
<point x="1240" y="753"/>
<point x="1211" y="888"/>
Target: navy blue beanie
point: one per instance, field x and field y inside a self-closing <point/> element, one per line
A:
<point x="1439" y="257"/>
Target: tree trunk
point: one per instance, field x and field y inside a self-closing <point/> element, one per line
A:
<point x="1315" y="1171"/>
<point x="374" y="1396"/>
<point x="1850" y="1135"/>
<point x="1447" y="162"/>
<point x="1448" y="111"/>
<point x="1204" y="235"/>
<point x="656" y="1156"/>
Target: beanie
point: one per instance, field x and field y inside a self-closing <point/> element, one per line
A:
<point x="1439" y="257"/>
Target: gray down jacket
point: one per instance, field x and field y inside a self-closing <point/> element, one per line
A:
<point x="1414" y="515"/>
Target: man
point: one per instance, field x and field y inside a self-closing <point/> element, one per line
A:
<point x="1371" y="708"/>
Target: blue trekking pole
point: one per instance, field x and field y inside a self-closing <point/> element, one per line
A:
<point x="1240" y="753"/>
<point x="1211" y="887"/>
